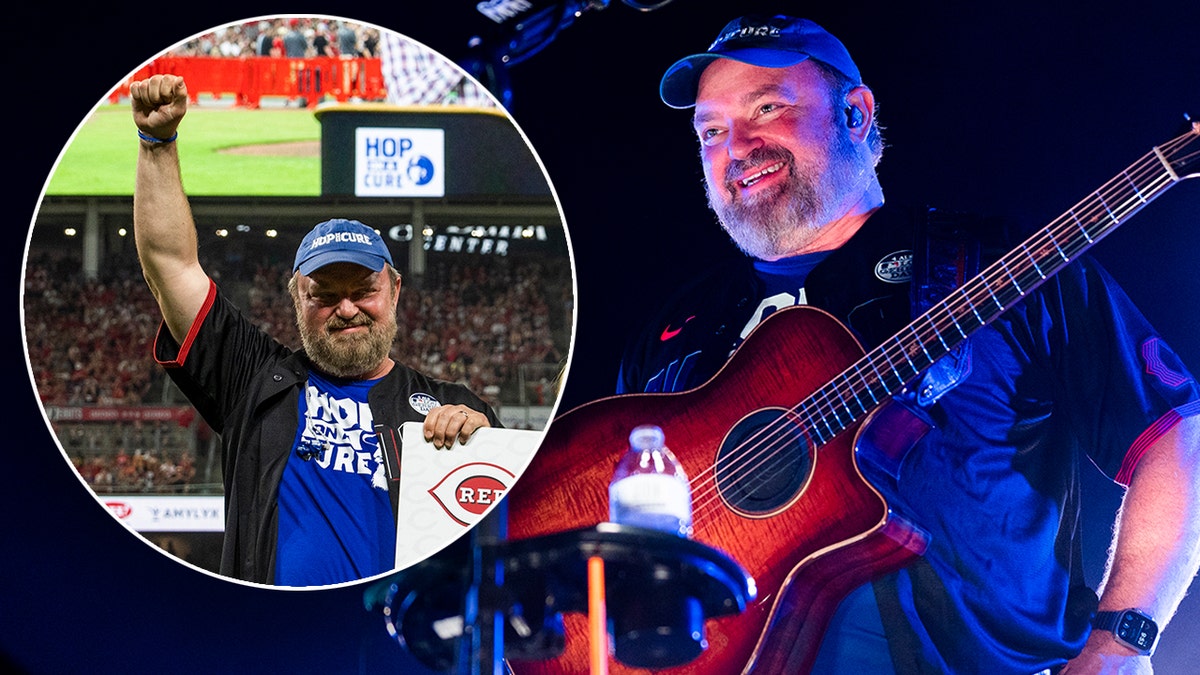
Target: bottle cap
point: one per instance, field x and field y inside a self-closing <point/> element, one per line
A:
<point x="646" y="436"/>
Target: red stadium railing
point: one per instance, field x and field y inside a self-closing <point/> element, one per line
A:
<point x="249" y="79"/>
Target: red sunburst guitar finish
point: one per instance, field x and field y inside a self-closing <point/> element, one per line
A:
<point x="831" y="534"/>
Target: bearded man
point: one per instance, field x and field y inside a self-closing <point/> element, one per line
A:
<point x="310" y="495"/>
<point x="1071" y="374"/>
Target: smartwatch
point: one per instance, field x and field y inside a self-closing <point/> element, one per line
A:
<point x="1132" y="628"/>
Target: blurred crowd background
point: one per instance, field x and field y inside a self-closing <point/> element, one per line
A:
<point x="295" y="37"/>
<point x="498" y="324"/>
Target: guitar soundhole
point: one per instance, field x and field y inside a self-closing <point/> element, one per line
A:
<point x="763" y="463"/>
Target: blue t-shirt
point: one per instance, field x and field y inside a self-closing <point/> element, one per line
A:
<point x="783" y="286"/>
<point x="335" y="517"/>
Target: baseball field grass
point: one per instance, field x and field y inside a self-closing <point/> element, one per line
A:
<point x="223" y="151"/>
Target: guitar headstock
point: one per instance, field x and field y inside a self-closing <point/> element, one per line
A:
<point x="1183" y="152"/>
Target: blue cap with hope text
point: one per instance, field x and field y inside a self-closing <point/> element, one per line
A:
<point x="770" y="42"/>
<point x="341" y="240"/>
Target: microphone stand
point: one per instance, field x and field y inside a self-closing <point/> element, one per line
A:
<point x="481" y="649"/>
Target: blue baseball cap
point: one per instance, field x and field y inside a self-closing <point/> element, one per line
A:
<point x="770" y="42"/>
<point x="341" y="240"/>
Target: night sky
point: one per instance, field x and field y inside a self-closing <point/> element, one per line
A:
<point x="1016" y="111"/>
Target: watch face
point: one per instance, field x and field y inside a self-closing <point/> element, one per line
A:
<point x="1137" y="630"/>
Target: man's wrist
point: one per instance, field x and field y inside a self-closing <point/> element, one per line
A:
<point x="1105" y="642"/>
<point x="1129" y="629"/>
<point x="154" y="140"/>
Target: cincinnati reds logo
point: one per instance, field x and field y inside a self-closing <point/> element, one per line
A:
<point x="119" y="509"/>
<point x="468" y="491"/>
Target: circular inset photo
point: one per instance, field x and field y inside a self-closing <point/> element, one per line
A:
<point x="298" y="298"/>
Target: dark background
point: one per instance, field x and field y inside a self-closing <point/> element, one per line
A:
<point x="1014" y="110"/>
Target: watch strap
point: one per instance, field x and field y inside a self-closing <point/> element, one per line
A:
<point x="1107" y="620"/>
<point x="1131" y="627"/>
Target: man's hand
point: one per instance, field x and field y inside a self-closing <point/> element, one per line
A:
<point x="159" y="104"/>
<point x="1103" y="655"/>
<point x="445" y="423"/>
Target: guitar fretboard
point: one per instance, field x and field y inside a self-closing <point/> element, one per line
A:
<point x="885" y="370"/>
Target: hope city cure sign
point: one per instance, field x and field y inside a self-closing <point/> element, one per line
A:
<point x="380" y="150"/>
<point x="399" y="162"/>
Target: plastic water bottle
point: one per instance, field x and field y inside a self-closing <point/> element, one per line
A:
<point x="649" y="487"/>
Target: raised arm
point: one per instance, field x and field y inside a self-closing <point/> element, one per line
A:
<point x="162" y="218"/>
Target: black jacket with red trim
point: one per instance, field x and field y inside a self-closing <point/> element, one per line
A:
<point x="247" y="386"/>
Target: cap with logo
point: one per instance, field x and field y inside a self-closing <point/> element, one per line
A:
<point x="770" y="42"/>
<point x="341" y="240"/>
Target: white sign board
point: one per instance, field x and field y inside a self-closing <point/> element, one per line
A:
<point x="394" y="162"/>
<point x="443" y="493"/>
<point x="168" y="513"/>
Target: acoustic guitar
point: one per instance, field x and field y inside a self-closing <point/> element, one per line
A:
<point x="772" y="444"/>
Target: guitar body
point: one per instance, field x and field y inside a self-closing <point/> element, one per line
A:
<point x="808" y="534"/>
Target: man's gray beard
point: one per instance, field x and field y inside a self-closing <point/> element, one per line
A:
<point x="781" y="222"/>
<point x="348" y="356"/>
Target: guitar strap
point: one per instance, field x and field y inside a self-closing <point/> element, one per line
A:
<point x="949" y="248"/>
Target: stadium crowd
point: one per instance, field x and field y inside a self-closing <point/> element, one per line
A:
<point x="498" y="325"/>
<point x="141" y="471"/>
<point x="412" y="74"/>
<point x="295" y="37"/>
<point x="88" y="339"/>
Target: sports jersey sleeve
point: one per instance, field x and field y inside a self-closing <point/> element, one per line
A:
<point x="1124" y="387"/>
<point x="222" y="351"/>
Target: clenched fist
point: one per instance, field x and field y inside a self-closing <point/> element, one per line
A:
<point x="159" y="104"/>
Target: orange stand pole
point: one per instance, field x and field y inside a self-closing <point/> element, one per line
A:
<point x="597" y="618"/>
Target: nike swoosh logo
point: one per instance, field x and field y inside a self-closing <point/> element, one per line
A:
<point x="669" y="333"/>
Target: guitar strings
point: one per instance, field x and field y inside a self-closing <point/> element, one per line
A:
<point x="824" y="401"/>
<point x="768" y="443"/>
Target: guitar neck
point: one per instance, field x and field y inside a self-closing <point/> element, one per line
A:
<point x="898" y="360"/>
